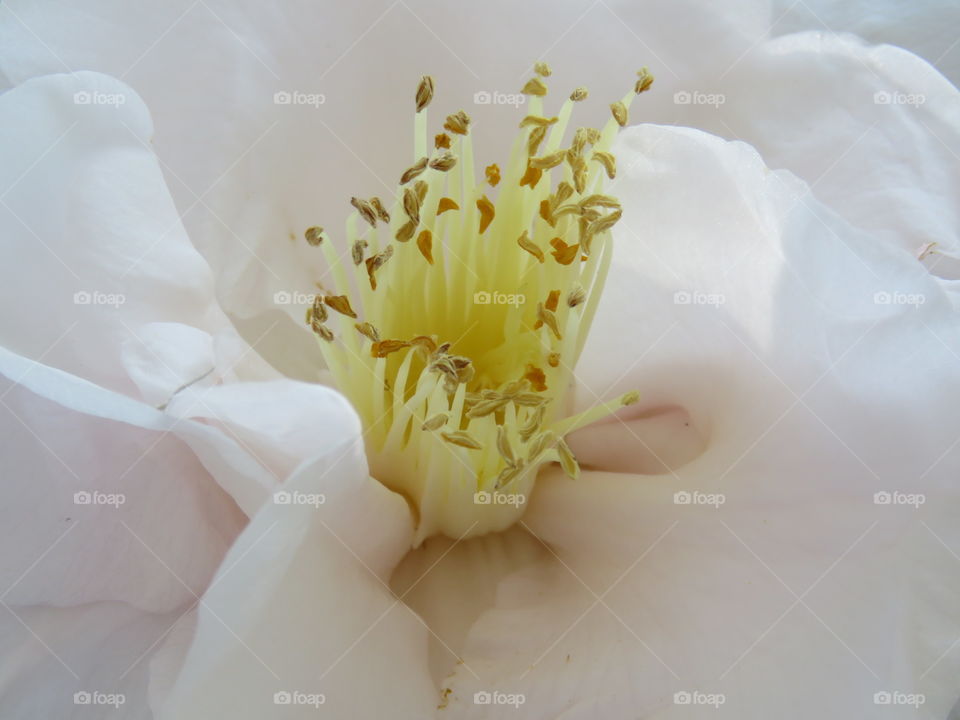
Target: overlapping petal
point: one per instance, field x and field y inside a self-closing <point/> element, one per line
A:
<point x="300" y="621"/>
<point x="777" y="578"/>
<point x="134" y="452"/>
<point x="873" y="130"/>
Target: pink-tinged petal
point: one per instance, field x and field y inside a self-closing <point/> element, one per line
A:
<point x="301" y="609"/>
<point x="117" y="295"/>
<point x="280" y="424"/>
<point x="929" y="28"/>
<point x="108" y="285"/>
<point x="106" y="505"/>
<point x="250" y="172"/>
<point x="873" y="130"/>
<point x="152" y="518"/>
<point x="803" y="558"/>
<point x="81" y="662"/>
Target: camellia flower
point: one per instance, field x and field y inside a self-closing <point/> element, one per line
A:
<point x="623" y="420"/>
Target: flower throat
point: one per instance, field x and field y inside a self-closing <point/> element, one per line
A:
<point x="458" y="312"/>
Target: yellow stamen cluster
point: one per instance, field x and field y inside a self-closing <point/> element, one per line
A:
<point x="457" y="320"/>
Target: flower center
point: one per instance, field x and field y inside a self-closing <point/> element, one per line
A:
<point x="457" y="316"/>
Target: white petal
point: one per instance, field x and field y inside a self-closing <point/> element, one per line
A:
<point x="160" y="547"/>
<point x="704" y="600"/>
<point x="301" y="606"/>
<point x="810" y="397"/>
<point x="105" y="505"/>
<point x="250" y="175"/>
<point x="108" y="286"/>
<point x="117" y="294"/>
<point x="65" y="436"/>
<point x="873" y="130"/>
<point x="451" y="583"/>
<point x="95" y="651"/>
<point x="281" y="423"/>
<point x="929" y="28"/>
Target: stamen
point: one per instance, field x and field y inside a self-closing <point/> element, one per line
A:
<point x="411" y="205"/>
<point x="418" y="167"/>
<point x="458" y="354"/>
<point x="619" y="111"/>
<point x="536" y="137"/>
<point x="314" y="236"/>
<point x="550" y="161"/>
<point x="376" y="262"/>
<point x="383" y="348"/>
<point x="406" y="231"/>
<point x="644" y="80"/>
<point x="356" y="251"/>
<point x="368" y="331"/>
<point x="527" y="244"/>
<point x="542" y="69"/>
<point x="608" y="161"/>
<point x="537" y="121"/>
<point x="534" y="86"/>
<point x="425" y="244"/>
<point x="462" y="439"/>
<point x="435" y="423"/>
<point x="457" y="123"/>
<point x="366" y="210"/>
<point x="487" y="212"/>
<point x="379" y="209"/>
<point x="424" y="92"/>
<point x="446" y="204"/>
<point x="340" y="303"/>
<point x="444" y="162"/>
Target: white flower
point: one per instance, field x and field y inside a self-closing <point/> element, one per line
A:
<point x="770" y="532"/>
